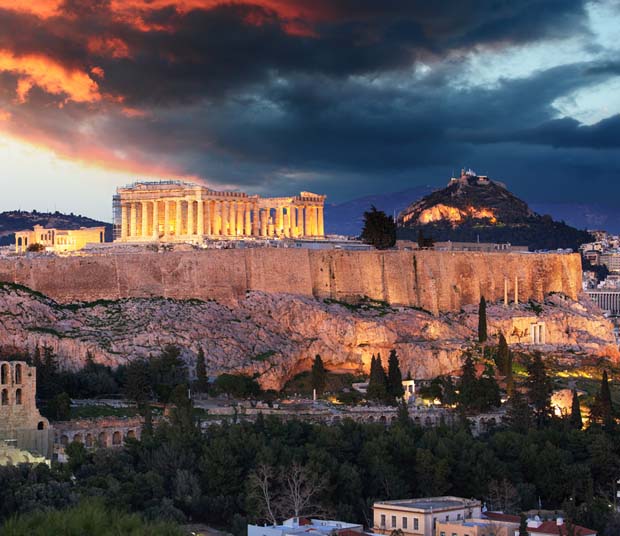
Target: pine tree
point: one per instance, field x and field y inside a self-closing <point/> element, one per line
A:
<point x="482" y="320"/>
<point x="606" y="403"/>
<point x="395" y="378"/>
<point x="575" y="413"/>
<point x="523" y="526"/>
<point x="539" y="389"/>
<point x="379" y="229"/>
<point x="201" y="371"/>
<point x="377" y="385"/>
<point x="403" y="413"/>
<point x="510" y="382"/>
<point x="319" y="375"/>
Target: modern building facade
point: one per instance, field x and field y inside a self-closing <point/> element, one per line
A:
<point x="419" y="517"/>
<point x="300" y="526"/>
<point x="58" y="240"/>
<point x="176" y="211"/>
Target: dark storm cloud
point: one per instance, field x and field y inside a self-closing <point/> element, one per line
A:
<point x="262" y="94"/>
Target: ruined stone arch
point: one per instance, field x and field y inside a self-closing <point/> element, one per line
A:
<point x="41" y="425"/>
<point x="4" y="373"/>
<point x="18" y="397"/>
<point x="77" y="438"/>
<point x="103" y="439"/>
<point x="64" y="440"/>
<point x="88" y="440"/>
<point x="117" y="438"/>
<point x="18" y="373"/>
<point x="131" y="434"/>
<point x="382" y="419"/>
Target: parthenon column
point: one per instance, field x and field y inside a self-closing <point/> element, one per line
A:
<point x="190" y="217"/>
<point x="133" y="220"/>
<point x="224" y="208"/>
<point x="124" y="221"/>
<point x="248" y="219"/>
<point x="201" y="218"/>
<point x="166" y="217"/>
<point x="286" y="223"/>
<point x="232" y="218"/>
<point x="292" y="210"/>
<point x="279" y="218"/>
<point x="263" y="221"/>
<point x="156" y="219"/>
<point x="216" y="227"/>
<point x="177" y="213"/>
<point x="144" y="218"/>
<point x="321" y="222"/>
<point x="240" y="218"/>
<point x="209" y="213"/>
<point x="255" y="220"/>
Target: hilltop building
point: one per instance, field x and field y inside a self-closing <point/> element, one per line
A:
<point x="58" y="240"/>
<point x="420" y="517"/>
<point x="176" y="211"/>
<point x="303" y="527"/>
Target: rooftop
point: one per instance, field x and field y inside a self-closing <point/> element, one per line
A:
<point x="430" y="503"/>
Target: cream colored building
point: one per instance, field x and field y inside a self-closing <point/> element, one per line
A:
<point x="476" y="527"/>
<point x="173" y="211"/>
<point x="419" y="517"/>
<point x="59" y="240"/>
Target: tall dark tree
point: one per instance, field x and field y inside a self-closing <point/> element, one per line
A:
<point x="468" y="384"/>
<point x="523" y="526"/>
<point x="503" y="355"/>
<point x="539" y="389"/>
<point x="395" y="377"/>
<point x="488" y="392"/>
<point x="319" y="375"/>
<point x="575" y="412"/>
<point x="518" y="413"/>
<point x="602" y="409"/>
<point x="377" y="384"/>
<point x="138" y="385"/>
<point x="379" y="229"/>
<point x="510" y="382"/>
<point x="482" y="320"/>
<point x="201" y="371"/>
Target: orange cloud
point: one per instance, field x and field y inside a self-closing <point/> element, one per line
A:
<point x="5" y="116"/>
<point x="108" y="46"/>
<point x="37" y="70"/>
<point x="41" y="8"/>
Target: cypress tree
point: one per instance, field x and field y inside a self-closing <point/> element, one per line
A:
<point x="606" y="404"/>
<point x="575" y="413"/>
<point x="510" y="382"/>
<point x="395" y="378"/>
<point x="379" y="229"/>
<point x="519" y="413"/>
<point x="319" y="375"/>
<point x="523" y="526"/>
<point x="482" y="320"/>
<point x="468" y="384"/>
<point x="377" y="385"/>
<point x="201" y="371"/>
<point x="539" y="389"/>
<point x="503" y="355"/>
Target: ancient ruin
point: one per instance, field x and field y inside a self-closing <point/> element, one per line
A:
<point x="174" y="211"/>
<point x="58" y="240"/>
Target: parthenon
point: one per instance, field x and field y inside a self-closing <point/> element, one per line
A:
<point x="172" y="211"/>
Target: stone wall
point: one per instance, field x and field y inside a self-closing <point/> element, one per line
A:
<point x="18" y="408"/>
<point x="432" y="280"/>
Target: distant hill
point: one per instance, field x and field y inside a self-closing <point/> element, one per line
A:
<point x="475" y="208"/>
<point x="347" y="218"/>
<point x="20" y="220"/>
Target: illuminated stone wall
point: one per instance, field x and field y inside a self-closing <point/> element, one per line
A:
<point x="433" y="280"/>
<point x="59" y="240"/>
<point x="18" y="408"/>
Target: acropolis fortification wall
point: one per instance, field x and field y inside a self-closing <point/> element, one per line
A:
<point x="433" y="280"/>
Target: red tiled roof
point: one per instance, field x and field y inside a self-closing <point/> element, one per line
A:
<point x="551" y="527"/>
<point x="304" y="521"/>
<point x="499" y="516"/>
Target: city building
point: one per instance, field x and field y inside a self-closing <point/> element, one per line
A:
<point x="22" y="428"/>
<point x="303" y="526"/>
<point x="556" y="527"/>
<point x="420" y="517"/>
<point x="58" y="240"/>
<point x="176" y="211"/>
<point x="478" y="527"/>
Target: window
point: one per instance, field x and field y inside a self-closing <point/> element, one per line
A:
<point x="393" y="522"/>
<point x="442" y="533"/>
<point x="18" y="397"/>
<point x="5" y="397"/>
<point x="18" y="373"/>
<point x="458" y="516"/>
<point x="404" y="522"/>
<point x="4" y="374"/>
<point x="447" y="518"/>
<point x="383" y="520"/>
<point x="416" y="523"/>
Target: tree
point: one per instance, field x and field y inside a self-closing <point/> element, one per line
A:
<point x="138" y="386"/>
<point x="35" y="248"/>
<point x="319" y="375"/>
<point x="523" y="526"/>
<point x="468" y="384"/>
<point x="201" y="371"/>
<point x="394" y="378"/>
<point x="502" y="359"/>
<point x="59" y="408"/>
<point x="575" y="412"/>
<point x="262" y="490"/>
<point x="377" y="383"/>
<point x="539" y="389"/>
<point x="302" y="489"/>
<point x="237" y="385"/>
<point x="482" y="320"/>
<point x="487" y="391"/>
<point x="518" y="413"/>
<point x="606" y="403"/>
<point x="379" y="229"/>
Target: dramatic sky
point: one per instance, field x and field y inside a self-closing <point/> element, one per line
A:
<point x="343" y="97"/>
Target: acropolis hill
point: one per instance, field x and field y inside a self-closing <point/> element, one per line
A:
<point x="432" y="280"/>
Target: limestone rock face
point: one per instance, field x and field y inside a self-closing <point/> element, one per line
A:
<point x="277" y="335"/>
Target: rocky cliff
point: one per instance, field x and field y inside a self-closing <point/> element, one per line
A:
<point x="436" y="281"/>
<point x="278" y="335"/>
